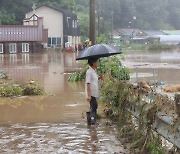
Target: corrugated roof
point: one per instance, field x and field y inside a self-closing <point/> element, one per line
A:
<point x="129" y="31"/>
<point x="152" y="33"/>
<point x="172" y="32"/>
<point x="169" y="38"/>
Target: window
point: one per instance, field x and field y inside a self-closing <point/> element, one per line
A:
<point x="1" y="48"/>
<point x="49" y="42"/>
<point x="73" y="24"/>
<point x="25" y="47"/>
<point x="12" y="48"/>
<point x="54" y="41"/>
<point x="68" y="18"/>
<point x="58" y="41"/>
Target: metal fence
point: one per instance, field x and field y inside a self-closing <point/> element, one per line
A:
<point x="163" y="123"/>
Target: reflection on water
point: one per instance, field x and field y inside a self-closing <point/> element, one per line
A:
<point x="1" y="59"/>
<point x="60" y="138"/>
<point x="25" y="58"/>
<point x="13" y="58"/>
<point x="47" y="68"/>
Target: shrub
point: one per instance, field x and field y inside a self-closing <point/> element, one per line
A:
<point x="158" y="46"/>
<point x="33" y="89"/>
<point x="111" y="65"/>
<point x="9" y="91"/>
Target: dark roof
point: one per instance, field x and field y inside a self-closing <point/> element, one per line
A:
<point x="34" y="15"/>
<point x="129" y="31"/>
<point x="65" y="12"/>
<point x="153" y="32"/>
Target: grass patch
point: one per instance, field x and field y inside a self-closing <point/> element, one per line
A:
<point x="11" y="89"/>
<point x="134" y="47"/>
<point x="154" y="46"/>
<point x="158" y="46"/>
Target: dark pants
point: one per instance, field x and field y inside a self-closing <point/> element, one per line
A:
<point x="93" y="104"/>
<point x="93" y="109"/>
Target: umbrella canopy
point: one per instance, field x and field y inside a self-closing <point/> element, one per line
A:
<point x="98" y="50"/>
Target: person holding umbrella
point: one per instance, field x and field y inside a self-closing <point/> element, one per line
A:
<point x="92" y="88"/>
<point x="92" y="54"/>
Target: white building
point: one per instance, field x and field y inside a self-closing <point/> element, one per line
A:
<point x="62" y="26"/>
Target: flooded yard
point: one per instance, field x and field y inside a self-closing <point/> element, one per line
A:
<point x="165" y="64"/>
<point x="55" y="123"/>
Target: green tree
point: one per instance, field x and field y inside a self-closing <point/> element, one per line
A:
<point x="152" y="12"/>
<point x="174" y="13"/>
<point x="6" y="18"/>
<point x="83" y="23"/>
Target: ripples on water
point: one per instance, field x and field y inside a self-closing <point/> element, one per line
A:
<point x="59" y="138"/>
<point x="56" y="134"/>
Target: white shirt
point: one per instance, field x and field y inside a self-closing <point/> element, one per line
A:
<point x="92" y="79"/>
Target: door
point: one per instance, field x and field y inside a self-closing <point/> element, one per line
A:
<point x="1" y="48"/>
<point x="12" y="48"/>
<point x="25" y="47"/>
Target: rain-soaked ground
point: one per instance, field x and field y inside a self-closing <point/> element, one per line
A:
<point x="54" y="123"/>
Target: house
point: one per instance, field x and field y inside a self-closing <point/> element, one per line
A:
<point x="23" y="38"/>
<point x="127" y="35"/>
<point x="165" y="36"/>
<point x="170" y="39"/>
<point x="62" y="26"/>
<point x="154" y="33"/>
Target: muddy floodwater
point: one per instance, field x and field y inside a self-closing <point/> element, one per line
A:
<point x="55" y="123"/>
<point x="164" y="64"/>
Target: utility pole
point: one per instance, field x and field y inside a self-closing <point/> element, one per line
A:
<point x="92" y="22"/>
<point x="98" y="11"/>
<point x="112" y="20"/>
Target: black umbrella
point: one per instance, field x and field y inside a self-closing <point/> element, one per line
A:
<point x="98" y="50"/>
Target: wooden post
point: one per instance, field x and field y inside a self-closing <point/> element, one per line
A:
<point x="92" y="22"/>
<point x="112" y="26"/>
<point x="177" y="101"/>
<point x="98" y="12"/>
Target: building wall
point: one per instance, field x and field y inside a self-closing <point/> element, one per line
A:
<point x="52" y="20"/>
<point x="33" y="47"/>
<point x="9" y="33"/>
<point x="73" y="42"/>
